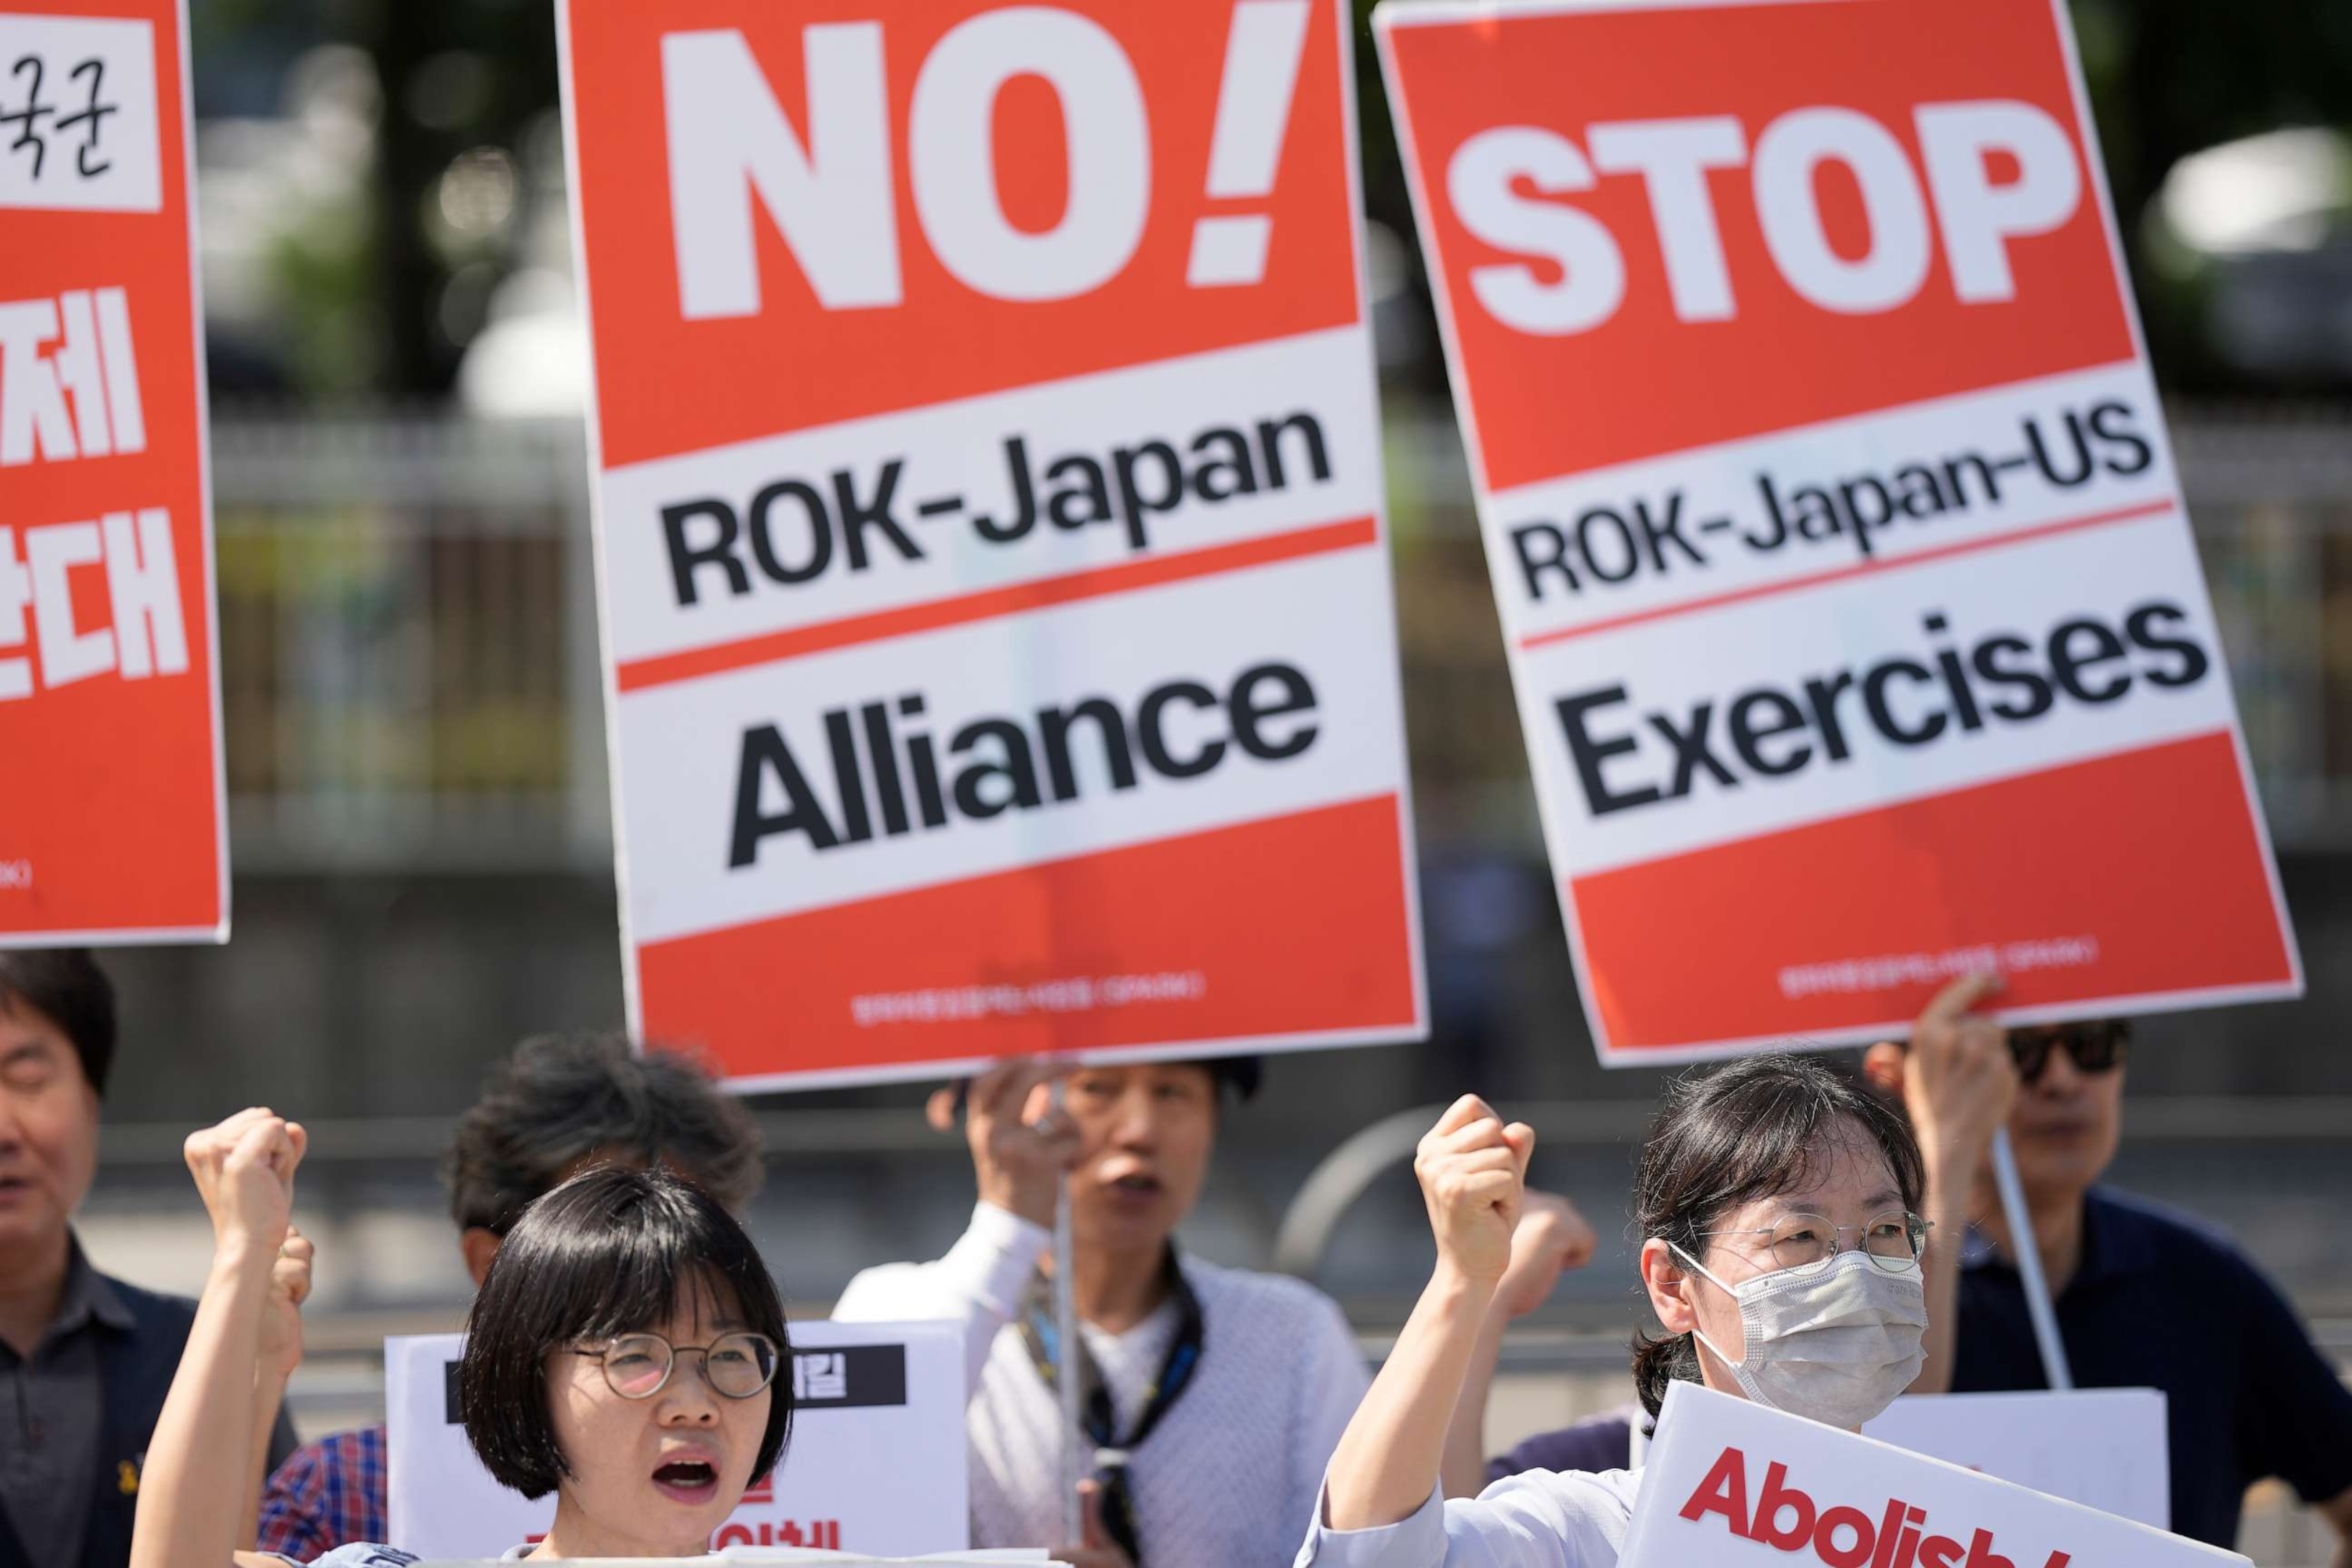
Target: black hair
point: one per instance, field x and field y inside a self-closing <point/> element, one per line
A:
<point x="1747" y="1131"/>
<point x="1242" y="1075"/>
<point x="604" y="1254"/>
<point x="65" y="985"/>
<point x="1239" y="1076"/>
<point x="563" y="1099"/>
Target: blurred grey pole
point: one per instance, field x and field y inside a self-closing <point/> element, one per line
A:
<point x="2028" y="1252"/>
<point x="1066" y="1352"/>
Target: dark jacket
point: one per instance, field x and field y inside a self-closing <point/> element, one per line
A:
<point x="135" y="1367"/>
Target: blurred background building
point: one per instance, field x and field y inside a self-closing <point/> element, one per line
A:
<point x="419" y="812"/>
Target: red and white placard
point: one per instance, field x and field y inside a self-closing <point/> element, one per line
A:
<point x="989" y="502"/>
<point x="1857" y="628"/>
<point x="113" y="824"/>
<point x="1728" y="1483"/>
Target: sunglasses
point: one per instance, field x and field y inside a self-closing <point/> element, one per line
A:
<point x="2097" y="1047"/>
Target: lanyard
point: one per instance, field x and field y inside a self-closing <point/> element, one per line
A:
<point x="1175" y="1375"/>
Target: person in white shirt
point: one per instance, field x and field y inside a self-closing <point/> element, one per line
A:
<point x="1212" y="1396"/>
<point x="1778" y="1202"/>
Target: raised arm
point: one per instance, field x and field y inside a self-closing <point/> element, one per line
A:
<point x="192" y="1491"/>
<point x="1551" y="1237"/>
<point x="279" y="1352"/>
<point x="1019" y="1150"/>
<point x="1957" y="1083"/>
<point x="1473" y="1173"/>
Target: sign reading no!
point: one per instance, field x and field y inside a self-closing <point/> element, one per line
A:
<point x="989" y="505"/>
<point x="1856" y="626"/>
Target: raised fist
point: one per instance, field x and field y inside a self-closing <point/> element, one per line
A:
<point x="1551" y="1239"/>
<point x="245" y="1170"/>
<point x="1473" y="1173"/>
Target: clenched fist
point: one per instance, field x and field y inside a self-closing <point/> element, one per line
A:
<point x="1551" y="1239"/>
<point x="1473" y="1172"/>
<point x="245" y="1170"/>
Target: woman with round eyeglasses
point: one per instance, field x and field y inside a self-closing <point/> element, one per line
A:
<point x="622" y="1354"/>
<point x="1778" y="1202"/>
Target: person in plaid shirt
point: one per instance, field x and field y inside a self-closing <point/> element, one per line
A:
<point x="558" y="1105"/>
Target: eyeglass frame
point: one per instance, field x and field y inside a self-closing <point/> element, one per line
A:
<point x="1916" y="1227"/>
<point x="775" y="1361"/>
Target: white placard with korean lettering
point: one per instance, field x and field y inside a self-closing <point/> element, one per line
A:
<point x="877" y="1463"/>
<point x="78" y="114"/>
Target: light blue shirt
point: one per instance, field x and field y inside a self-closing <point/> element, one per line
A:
<point x="1541" y="1519"/>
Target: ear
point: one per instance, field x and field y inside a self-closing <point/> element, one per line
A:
<point x="480" y="1246"/>
<point x="1668" y="1284"/>
<point x="1885" y="1064"/>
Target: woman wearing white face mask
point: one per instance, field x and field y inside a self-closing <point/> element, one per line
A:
<point x="1778" y="1200"/>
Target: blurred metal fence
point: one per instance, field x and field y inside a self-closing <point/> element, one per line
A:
<point x="408" y="645"/>
<point x="409" y="635"/>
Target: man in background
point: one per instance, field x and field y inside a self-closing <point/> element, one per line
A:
<point x="1212" y="1397"/>
<point x="86" y="1360"/>
<point x="2144" y="1297"/>
<point x="558" y="1106"/>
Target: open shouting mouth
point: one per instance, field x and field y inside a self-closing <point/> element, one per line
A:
<point x="691" y="1481"/>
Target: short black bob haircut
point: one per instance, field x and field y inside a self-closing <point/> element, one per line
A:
<point x="606" y="1253"/>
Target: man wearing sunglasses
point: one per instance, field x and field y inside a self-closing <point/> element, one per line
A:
<point x="2146" y="1298"/>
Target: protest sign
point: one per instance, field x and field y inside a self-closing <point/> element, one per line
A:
<point x="829" y="1559"/>
<point x="2105" y="1449"/>
<point x="877" y="1462"/>
<point x="1857" y="630"/>
<point x="1730" y="1483"/>
<point x="111" y="815"/>
<point x="988" y="492"/>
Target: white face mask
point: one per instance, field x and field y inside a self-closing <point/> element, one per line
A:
<point x="1836" y="1346"/>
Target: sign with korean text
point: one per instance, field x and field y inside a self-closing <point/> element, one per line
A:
<point x="877" y="1462"/>
<point x="1857" y="630"/>
<point x="1730" y="1484"/>
<point x="988" y="489"/>
<point x="111" y="814"/>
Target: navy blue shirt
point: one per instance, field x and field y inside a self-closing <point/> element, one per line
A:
<point x="1595" y="1443"/>
<point x="2160" y="1301"/>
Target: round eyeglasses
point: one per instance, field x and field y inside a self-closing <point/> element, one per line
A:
<point x="735" y="1367"/>
<point x="1806" y="1242"/>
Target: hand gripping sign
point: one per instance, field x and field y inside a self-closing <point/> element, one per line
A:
<point x="988" y="500"/>
<point x="1730" y="1483"/>
<point x="1857" y="630"/>
<point x="110" y="787"/>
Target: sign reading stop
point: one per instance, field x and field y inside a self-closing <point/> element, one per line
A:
<point x="1856" y="626"/>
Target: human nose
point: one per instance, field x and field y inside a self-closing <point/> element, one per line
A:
<point x="689" y="1395"/>
<point x="2060" y="1076"/>
<point x="1131" y="1122"/>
